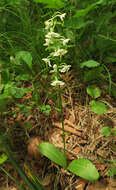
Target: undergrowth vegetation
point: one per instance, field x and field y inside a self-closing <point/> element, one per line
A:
<point x="41" y="44"/>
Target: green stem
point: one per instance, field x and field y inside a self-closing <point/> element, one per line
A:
<point x="110" y="80"/>
<point x="62" y="118"/>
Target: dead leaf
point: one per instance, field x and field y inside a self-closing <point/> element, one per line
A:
<point x="56" y="138"/>
<point x="19" y="117"/>
<point x="80" y="185"/>
<point x="32" y="147"/>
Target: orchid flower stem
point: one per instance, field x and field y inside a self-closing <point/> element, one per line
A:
<point x="62" y="117"/>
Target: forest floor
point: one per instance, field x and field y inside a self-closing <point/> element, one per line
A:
<point x="83" y="140"/>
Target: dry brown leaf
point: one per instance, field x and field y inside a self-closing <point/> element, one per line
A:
<point x="32" y="147"/>
<point x="56" y="138"/>
<point x="76" y="150"/>
<point x="80" y="185"/>
<point x="19" y="117"/>
<point x="46" y="180"/>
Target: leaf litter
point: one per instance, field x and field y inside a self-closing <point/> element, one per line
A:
<point x="83" y="139"/>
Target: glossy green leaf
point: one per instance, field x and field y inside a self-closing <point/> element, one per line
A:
<point x="52" y="3"/>
<point x="89" y="64"/>
<point x="3" y="158"/>
<point x="106" y="131"/>
<point x="84" y="168"/>
<point x="94" y="91"/>
<point x="98" y="107"/>
<point x="51" y="152"/>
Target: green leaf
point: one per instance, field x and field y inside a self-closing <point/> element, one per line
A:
<point x="106" y="131"/>
<point x="3" y="158"/>
<point x="77" y="23"/>
<point x="114" y="131"/>
<point x="45" y="108"/>
<point x="25" y="77"/>
<point x="110" y="60"/>
<point x="89" y="64"/>
<point x="112" y="170"/>
<point x="98" y="107"/>
<point x="84" y="168"/>
<point x="93" y="74"/>
<point x="51" y="3"/>
<point x="94" y="91"/>
<point x="51" y="152"/>
<point x="4" y="100"/>
<point x="17" y="92"/>
<point x="24" y="56"/>
<point x="83" y="12"/>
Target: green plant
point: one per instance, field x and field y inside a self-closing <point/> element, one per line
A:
<point x="106" y="131"/>
<point x="90" y="26"/>
<point x="57" y="46"/>
<point x="96" y="106"/>
<point x="81" y="167"/>
<point x="51" y="3"/>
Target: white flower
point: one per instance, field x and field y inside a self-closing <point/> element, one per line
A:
<point x="52" y="35"/>
<point x="57" y="82"/>
<point x="48" y="24"/>
<point x="54" y="69"/>
<point x="65" y="41"/>
<point x="47" y="61"/>
<point x="48" y="42"/>
<point x="62" y="16"/>
<point x="59" y="52"/>
<point x="65" y="68"/>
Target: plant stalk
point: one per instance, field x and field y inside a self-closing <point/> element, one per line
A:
<point x="62" y="117"/>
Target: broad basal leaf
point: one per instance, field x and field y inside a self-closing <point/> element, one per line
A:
<point x="89" y="64"/>
<point x="51" y="152"/>
<point x="98" y="107"/>
<point x="94" y="91"/>
<point x="84" y="168"/>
